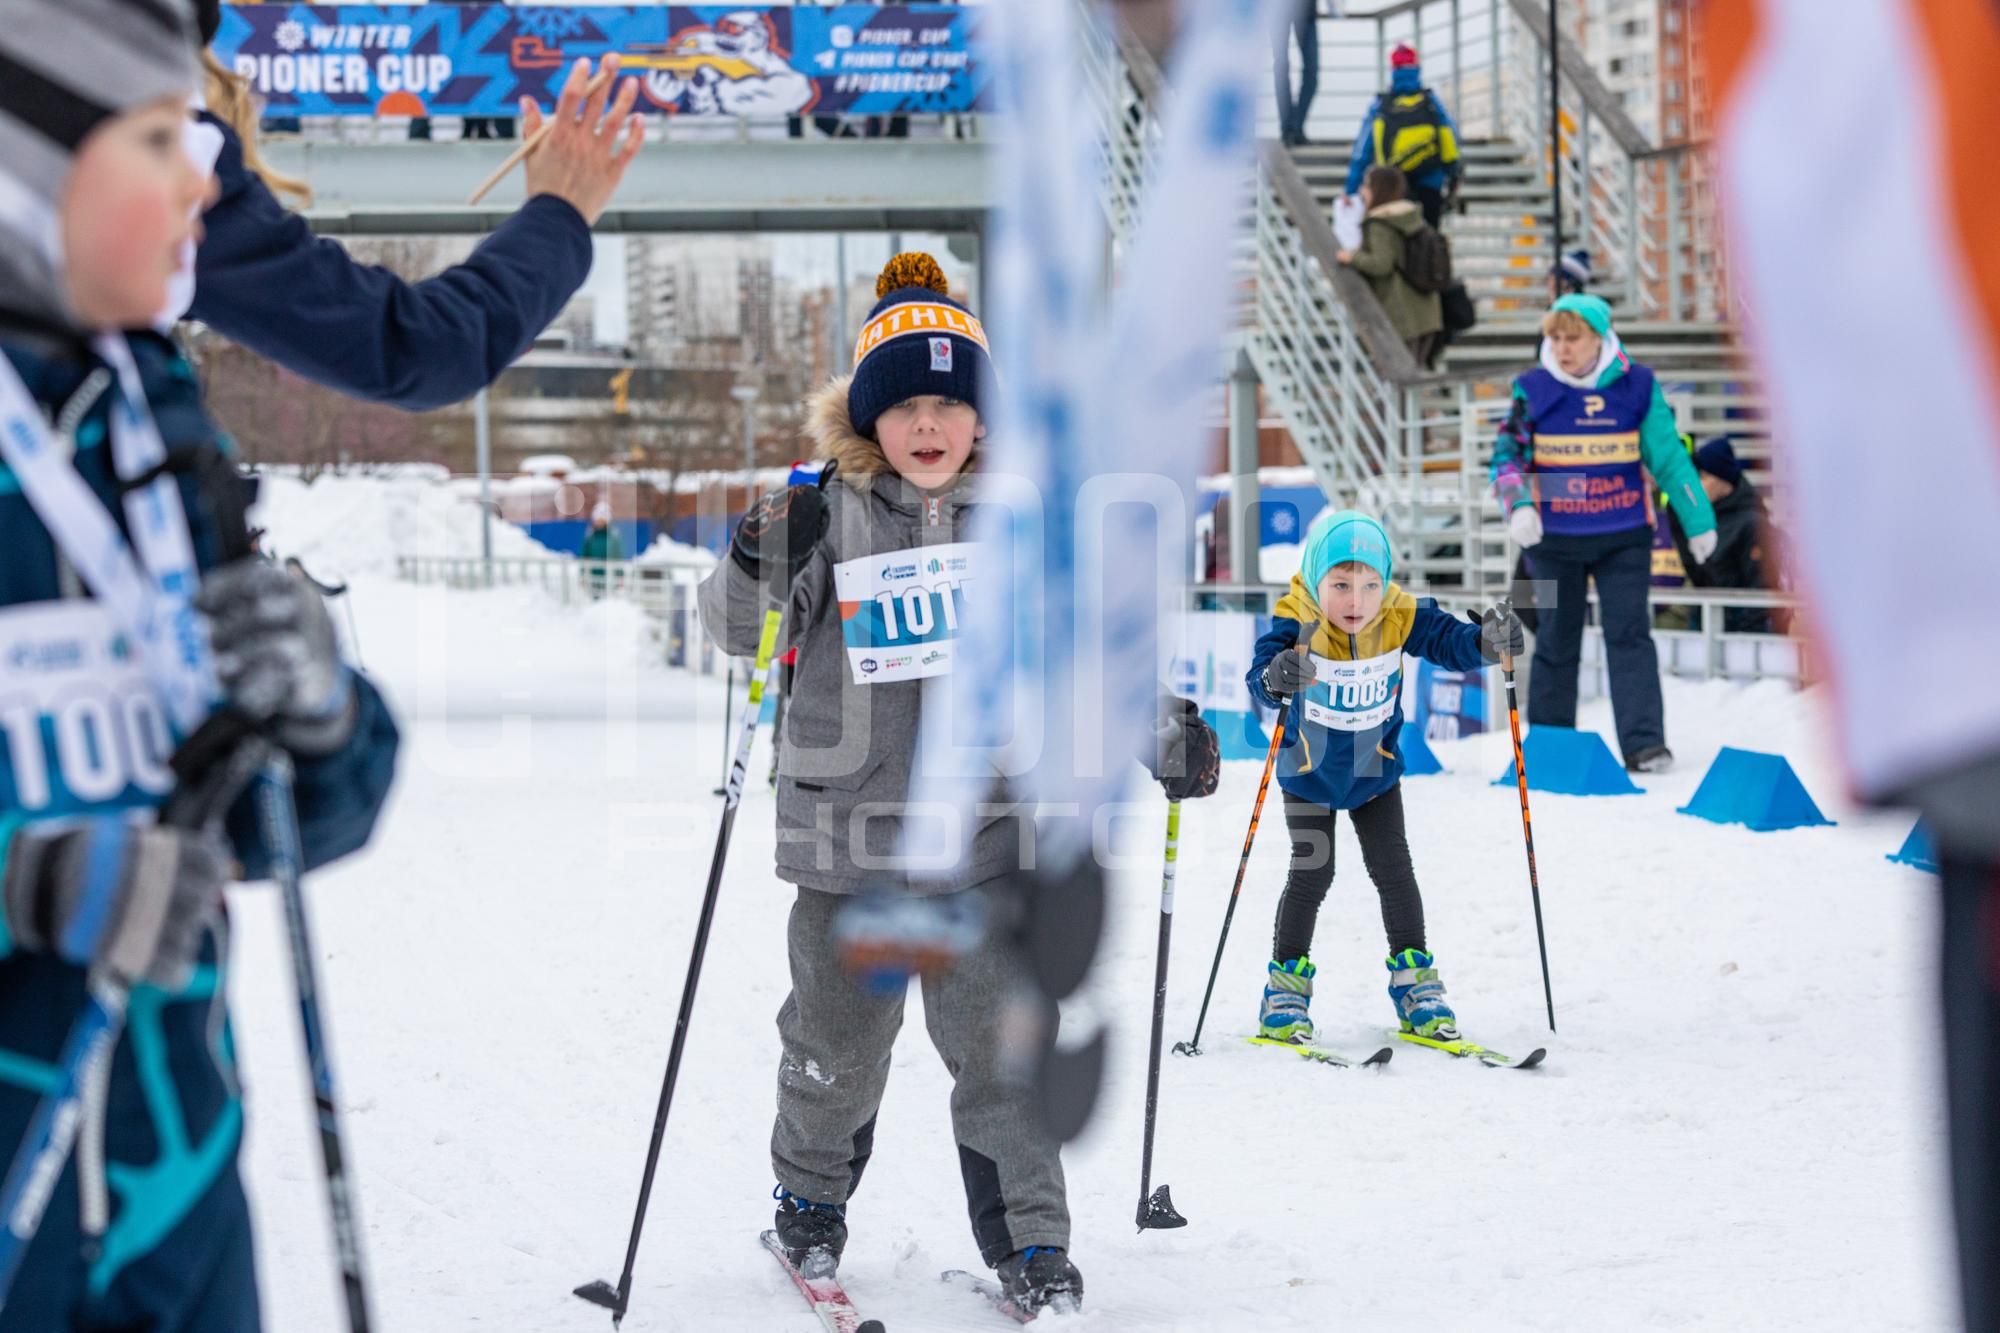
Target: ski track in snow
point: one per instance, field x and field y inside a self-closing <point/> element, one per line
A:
<point x="1738" y="1127"/>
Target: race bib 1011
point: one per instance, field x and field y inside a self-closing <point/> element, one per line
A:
<point x="1354" y="696"/>
<point x="81" y="728"/>
<point x="900" y="611"/>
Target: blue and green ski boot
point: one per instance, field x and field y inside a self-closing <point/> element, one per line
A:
<point x="1419" y="996"/>
<point x="1287" y="996"/>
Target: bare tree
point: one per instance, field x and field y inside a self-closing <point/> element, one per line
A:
<point x="277" y="417"/>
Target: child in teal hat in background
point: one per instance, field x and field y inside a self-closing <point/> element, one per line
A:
<point x="1342" y="696"/>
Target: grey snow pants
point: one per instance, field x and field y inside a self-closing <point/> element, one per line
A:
<point x="835" y="1065"/>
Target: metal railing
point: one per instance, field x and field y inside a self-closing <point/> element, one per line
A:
<point x="1377" y="430"/>
<point x="1703" y="650"/>
<point x="1124" y="96"/>
<point x="666" y="593"/>
<point x="1648" y="209"/>
<point x="1647" y="212"/>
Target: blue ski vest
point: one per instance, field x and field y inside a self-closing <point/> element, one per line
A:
<point x="1586" y="459"/>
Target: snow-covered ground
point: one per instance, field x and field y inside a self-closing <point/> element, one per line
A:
<point x="1737" y="1128"/>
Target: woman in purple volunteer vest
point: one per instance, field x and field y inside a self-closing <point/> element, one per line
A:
<point x="1568" y="472"/>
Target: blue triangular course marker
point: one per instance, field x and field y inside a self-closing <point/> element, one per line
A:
<point x="1570" y="763"/>
<point x="1240" y="734"/>
<point x="1754" y="789"/>
<point x="1419" y="759"/>
<point x="1917" y="850"/>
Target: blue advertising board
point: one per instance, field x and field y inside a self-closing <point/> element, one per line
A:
<point x="756" y="62"/>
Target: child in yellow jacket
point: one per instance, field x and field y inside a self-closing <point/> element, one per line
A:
<point x="1342" y="701"/>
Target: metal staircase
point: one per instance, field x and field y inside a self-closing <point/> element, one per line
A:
<point x="1379" y="431"/>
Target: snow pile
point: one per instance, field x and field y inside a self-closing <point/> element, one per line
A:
<point x="510" y="651"/>
<point x="666" y="551"/>
<point x="345" y="526"/>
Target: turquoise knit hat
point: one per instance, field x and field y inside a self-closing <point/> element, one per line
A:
<point x="1340" y="537"/>
<point x="1592" y="310"/>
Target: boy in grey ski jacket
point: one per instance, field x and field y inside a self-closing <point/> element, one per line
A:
<point x="867" y="572"/>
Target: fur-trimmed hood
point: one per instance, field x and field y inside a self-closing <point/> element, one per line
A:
<point x="831" y="430"/>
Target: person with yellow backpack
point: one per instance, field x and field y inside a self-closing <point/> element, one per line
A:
<point x="1408" y="128"/>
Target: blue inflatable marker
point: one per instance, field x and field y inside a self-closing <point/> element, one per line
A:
<point x="1570" y="763"/>
<point x="1754" y="789"/>
<point x="1917" y="850"/>
<point x="1419" y="759"/>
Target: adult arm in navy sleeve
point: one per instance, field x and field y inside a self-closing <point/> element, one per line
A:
<point x="338" y="796"/>
<point x="1437" y="636"/>
<point x="264" y="280"/>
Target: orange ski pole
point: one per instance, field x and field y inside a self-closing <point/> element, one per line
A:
<point x="1527" y="824"/>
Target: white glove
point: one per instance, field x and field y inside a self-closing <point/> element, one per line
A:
<point x="1701" y="547"/>
<point x="1525" y="525"/>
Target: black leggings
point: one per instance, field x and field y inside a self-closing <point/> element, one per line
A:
<point x="1385" y="850"/>
<point x="1970" y="975"/>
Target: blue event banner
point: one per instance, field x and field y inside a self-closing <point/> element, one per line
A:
<point x="691" y="60"/>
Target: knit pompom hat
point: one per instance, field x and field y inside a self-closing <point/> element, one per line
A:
<point x="917" y="341"/>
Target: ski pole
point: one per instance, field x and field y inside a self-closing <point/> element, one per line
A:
<point x="278" y="823"/>
<point x="1506" y="609"/>
<point x="779" y="692"/>
<point x="728" y="703"/>
<point x="278" y="827"/>
<point x="38" y="1162"/>
<point x="1192" y="1046"/>
<point x="1156" y="1207"/>
<point x="616" y="1298"/>
<point x="331" y="591"/>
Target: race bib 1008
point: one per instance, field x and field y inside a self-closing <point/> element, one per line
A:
<point x="900" y="611"/>
<point x="81" y="729"/>
<point x="1354" y="696"/>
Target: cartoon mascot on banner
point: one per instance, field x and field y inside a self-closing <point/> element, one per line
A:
<point x="732" y="69"/>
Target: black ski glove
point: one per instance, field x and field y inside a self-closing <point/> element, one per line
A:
<point x="145" y="920"/>
<point x="276" y="654"/>
<point x="1289" y="672"/>
<point x="781" y="531"/>
<point x="1499" y="634"/>
<point x="1187" y="755"/>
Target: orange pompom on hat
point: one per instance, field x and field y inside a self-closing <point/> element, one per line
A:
<point x="917" y="341"/>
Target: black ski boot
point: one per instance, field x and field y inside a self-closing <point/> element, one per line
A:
<point x="1040" y="1277"/>
<point x="1652" y="759"/>
<point x="813" y="1234"/>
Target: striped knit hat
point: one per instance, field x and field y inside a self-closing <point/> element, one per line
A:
<point x="917" y="341"/>
<point x="66" y="66"/>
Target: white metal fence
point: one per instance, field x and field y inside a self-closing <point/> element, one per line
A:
<point x="1703" y="650"/>
<point x="666" y="593"/>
